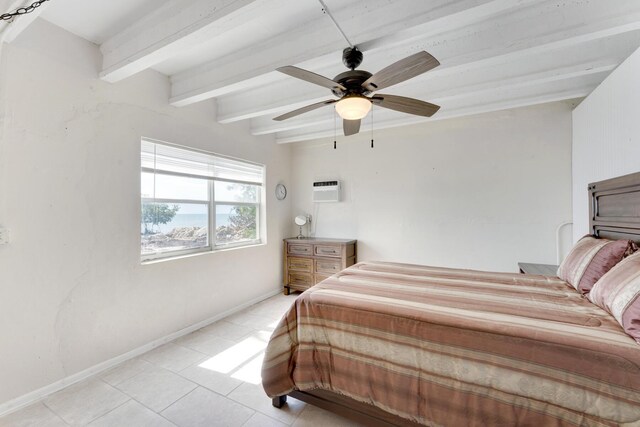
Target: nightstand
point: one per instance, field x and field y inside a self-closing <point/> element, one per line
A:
<point x="543" y="269"/>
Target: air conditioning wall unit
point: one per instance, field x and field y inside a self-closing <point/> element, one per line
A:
<point x="326" y="191"/>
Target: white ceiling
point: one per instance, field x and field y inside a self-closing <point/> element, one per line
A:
<point x="494" y="54"/>
<point x="96" y="21"/>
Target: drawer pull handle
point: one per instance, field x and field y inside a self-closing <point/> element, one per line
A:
<point x="299" y="250"/>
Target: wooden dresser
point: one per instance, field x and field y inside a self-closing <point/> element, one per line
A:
<point x="310" y="261"/>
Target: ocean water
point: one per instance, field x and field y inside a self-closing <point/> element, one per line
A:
<point x="189" y="220"/>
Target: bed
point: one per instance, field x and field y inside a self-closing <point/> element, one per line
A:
<point x="398" y="344"/>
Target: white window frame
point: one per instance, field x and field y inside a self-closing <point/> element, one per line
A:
<point x="212" y="214"/>
<point x="211" y="204"/>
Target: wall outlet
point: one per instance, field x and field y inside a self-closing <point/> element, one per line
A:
<point x="4" y="236"/>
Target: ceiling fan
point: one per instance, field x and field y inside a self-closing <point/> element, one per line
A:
<point x="355" y="88"/>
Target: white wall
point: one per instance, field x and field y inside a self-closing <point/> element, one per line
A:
<point x="479" y="192"/>
<point x="72" y="290"/>
<point x="606" y="136"/>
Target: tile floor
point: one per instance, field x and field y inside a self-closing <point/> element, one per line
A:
<point x="210" y="377"/>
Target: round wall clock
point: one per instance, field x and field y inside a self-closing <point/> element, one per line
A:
<point x="281" y="191"/>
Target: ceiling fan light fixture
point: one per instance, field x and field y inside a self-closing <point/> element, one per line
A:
<point x="353" y="107"/>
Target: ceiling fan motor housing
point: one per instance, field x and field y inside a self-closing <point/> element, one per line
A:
<point x="352" y="80"/>
<point x="352" y="57"/>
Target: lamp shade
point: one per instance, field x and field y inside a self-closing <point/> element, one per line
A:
<point x="353" y="107"/>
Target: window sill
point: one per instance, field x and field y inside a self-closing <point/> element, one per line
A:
<point x="197" y="254"/>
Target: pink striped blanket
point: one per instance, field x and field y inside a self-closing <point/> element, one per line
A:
<point x="458" y="348"/>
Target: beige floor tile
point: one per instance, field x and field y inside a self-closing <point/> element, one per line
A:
<point x="270" y="311"/>
<point x="261" y="335"/>
<point x="253" y="321"/>
<point x="131" y="414"/>
<point x="254" y="397"/>
<point x="125" y="370"/>
<point x="261" y="420"/>
<point x="31" y="416"/>
<point x="274" y="307"/>
<point x="236" y="358"/>
<point x="227" y="330"/>
<point x="314" y="417"/>
<point x="264" y="309"/>
<point x="157" y="388"/>
<point x="173" y="357"/>
<point x="215" y="381"/>
<point x="82" y="403"/>
<point x="282" y="302"/>
<point x="251" y="370"/>
<point x="209" y="345"/>
<point x="204" y="408"/>
<point x="190" y="339"/>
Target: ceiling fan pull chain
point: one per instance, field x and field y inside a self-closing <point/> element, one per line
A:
<point x="372" y="126"/>
<point x="334" y="128"/>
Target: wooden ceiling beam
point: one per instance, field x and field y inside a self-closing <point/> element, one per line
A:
<point x="453" y="39"/>
<point x="169" y="30"/>
<point x="252" y="67"/>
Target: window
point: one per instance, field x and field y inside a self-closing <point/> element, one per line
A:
<point x="186" y="193"/>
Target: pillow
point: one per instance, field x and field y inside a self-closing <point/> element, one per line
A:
<point x="618" y="292"/>
<point x="590" y="259"/>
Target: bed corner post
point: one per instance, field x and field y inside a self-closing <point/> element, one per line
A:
<point x="278" y="401"/>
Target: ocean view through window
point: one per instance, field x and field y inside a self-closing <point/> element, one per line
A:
<point x="187" y="193"/>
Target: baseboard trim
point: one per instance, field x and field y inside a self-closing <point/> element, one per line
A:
<point x="34" y="396"/>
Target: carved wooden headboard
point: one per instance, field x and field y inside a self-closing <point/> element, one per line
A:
<point x="614" y="208"/>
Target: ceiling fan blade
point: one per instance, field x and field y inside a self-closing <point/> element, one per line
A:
<point x="400" y="71"/>
<point x="351" y="127"/>
<point x="304" y="109"/>
<point x="310" y="77"/>
<point x="406" y="105"/>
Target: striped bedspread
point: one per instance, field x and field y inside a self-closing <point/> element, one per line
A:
<point x="447" y="347"/>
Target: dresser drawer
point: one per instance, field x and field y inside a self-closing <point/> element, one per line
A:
<point x="299" y="249"/>
<point x="328" y="250"/>
<point x="300" y="264"/>
<point x="320" y="277"/>
<point x="300" y="279"/>
<point x="328" y="266"/>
